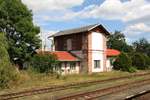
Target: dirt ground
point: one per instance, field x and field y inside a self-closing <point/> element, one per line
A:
<point x="127" y="93"/>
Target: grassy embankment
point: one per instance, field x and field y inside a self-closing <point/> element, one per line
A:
<point x="30" y="80"/>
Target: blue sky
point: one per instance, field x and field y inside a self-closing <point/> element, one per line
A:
<point x="132" y="17"/>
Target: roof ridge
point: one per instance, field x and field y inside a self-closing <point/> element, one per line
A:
<point x="78" y="30"/>
<point x="79" y="27"/>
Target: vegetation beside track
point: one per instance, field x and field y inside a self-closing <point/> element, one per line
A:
<point x="35" y="81"/>
<point x="84" y="88"/>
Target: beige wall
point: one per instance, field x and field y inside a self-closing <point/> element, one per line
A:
<point x="96" y="51"/>
<point x="65" y="68"/>
<point x="108" y="65"/>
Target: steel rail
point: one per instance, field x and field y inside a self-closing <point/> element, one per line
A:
<point x="106" y="91"/>
<point x="62" y="87"/>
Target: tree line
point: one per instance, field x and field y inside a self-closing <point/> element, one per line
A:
<point x="133" y="56"/>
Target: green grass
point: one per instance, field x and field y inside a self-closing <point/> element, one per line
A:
<point x="29" y="80"/>
<point x="82" y="88"/>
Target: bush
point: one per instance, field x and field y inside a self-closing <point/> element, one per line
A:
<point x="147" y="61"/>
<point x="138" y="60"/>
<point x="8" y="73"/>
<point x="44" y="63"/>
<point x="124" y="63"/>
<point x="132" y="69"/>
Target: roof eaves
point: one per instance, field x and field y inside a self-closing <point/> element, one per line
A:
<point x="69" y="60"/>
<point x="96" y="25"/>
<point x="90" y="28"/>
<point x="51" y="36"/>
<point x="106" y="30"/>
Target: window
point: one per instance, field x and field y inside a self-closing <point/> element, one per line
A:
<point x="96" y="63"/>
<point x="73" y="66"/>
<point x="58" y="67"/>
<point x="69" y="44"/>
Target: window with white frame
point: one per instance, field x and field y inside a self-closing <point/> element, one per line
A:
<point x="96" y="63"/>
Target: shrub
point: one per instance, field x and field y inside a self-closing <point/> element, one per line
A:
<point x="8" y="73"/>
<point x="44" y="63"/>
<point x="124" y="63"/>
<point x="147" y="61"/>
<point x="138" y="61"/>
<point x="132" y="69"/>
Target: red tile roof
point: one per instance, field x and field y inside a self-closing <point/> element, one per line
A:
<point x="64" y="56"/>
<point x="112" y="52"/>
<point x="61" y="55"/>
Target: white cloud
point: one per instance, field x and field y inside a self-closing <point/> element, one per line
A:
<point x="52" y="10"/>
<point x="141" y="27"/>
<point x="136" y="31"/>
<point x="138" y="11"/>
<point x="46" y="42"/>
<point x="110" y="9"/>
<point x="128" y="11"/>
<point x="50" y="5"/>
<point x="57" y="10"/>
<point x="118" y="10"/>
<point x="62" y="16"/>
<point x="135" y="14"/>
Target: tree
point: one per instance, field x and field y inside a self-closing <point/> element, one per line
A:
<point x="124" y="63"/>
<point x="7" y="72"/>
<point x="117" y="41"/>
<point x="142" y="46"/>
<point x="44" y="63"/>
<point x="22" y="35"/>
<point x="139" y="61"/>
<point x="147" y="61"/>
<point x="3" y="49"/>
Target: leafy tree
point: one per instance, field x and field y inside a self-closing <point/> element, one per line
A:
<point x="142" y="46"/>
<point x="3" y="49"/>
<point x="44" y="63"/>
<point x="139" y="61"/>
<point x="117" y="41"/>
<point x="7" y="72"/>
<point x="22" y="35"/>
<point x="147" y="61"/>
<point x="124" y="63"/>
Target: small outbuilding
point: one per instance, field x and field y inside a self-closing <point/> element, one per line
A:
<point x="111" y="57"/>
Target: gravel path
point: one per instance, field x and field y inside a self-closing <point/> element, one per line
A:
<point x="127" y="93"/>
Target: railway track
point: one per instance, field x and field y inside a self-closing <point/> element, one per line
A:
<point x="136" y="96"/>
<point x="62" y="87"/>
<point x="91" y="95"/>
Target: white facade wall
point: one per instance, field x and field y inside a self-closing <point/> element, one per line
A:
<point x="97" y="41"/>
<point x="65" y="68"/>
<point x="108" y="65"/>
<point x="97" y="51"/>
<point x="76" y="70"/>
